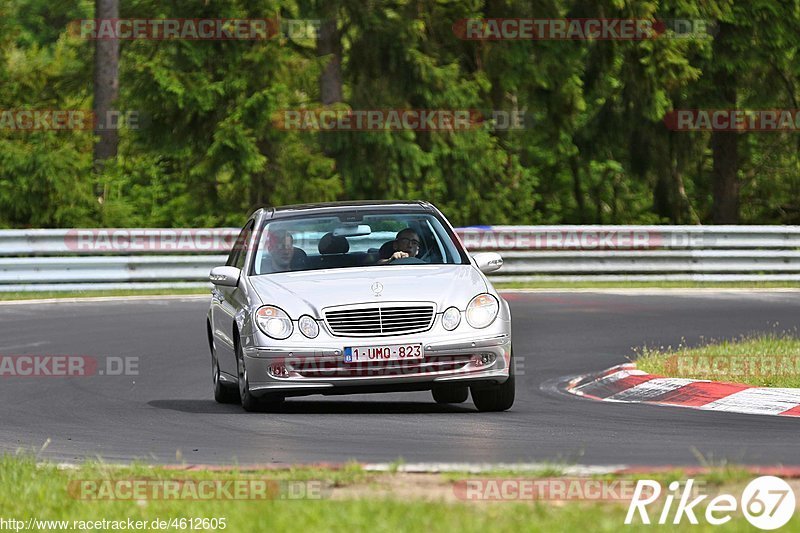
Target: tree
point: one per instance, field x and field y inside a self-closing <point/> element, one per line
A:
<point x="106" y="86"/>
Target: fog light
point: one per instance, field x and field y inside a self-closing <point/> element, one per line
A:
<point x="484" y="359"/>
<point x="278" y="371"/>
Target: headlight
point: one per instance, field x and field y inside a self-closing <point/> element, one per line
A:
<point x="482" y="311"/>
<point x="308" y="326"/>
<point x="274" y="322"/>
<point x="451" y="318"/>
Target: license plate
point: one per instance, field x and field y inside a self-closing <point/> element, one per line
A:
<point x="386" y="352"/>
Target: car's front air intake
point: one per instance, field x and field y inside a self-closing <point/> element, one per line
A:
<point x="387" y="319"/>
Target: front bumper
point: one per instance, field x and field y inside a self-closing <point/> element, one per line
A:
<point x="295" y="370"/>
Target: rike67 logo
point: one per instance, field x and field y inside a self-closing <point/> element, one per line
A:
<point x="767" y="502"/>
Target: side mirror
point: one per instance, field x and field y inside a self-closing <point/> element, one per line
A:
<point x="225" y="276"/>
<point x="487" y="261"/>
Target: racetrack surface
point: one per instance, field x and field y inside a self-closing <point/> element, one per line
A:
<point x="167" y="414"/>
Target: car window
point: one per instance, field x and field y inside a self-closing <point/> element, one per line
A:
<point x="238" y="253"/>
<point x="353" y="240"/>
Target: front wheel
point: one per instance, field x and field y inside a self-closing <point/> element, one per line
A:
<point x="250" y="403"/>
<point x="495" y="398"/>
<point x="223" y="393"/>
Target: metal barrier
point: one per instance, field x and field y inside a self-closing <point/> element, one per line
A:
<point x="85" y="259"/>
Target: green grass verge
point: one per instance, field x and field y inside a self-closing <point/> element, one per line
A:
<point x="94" y="294"/>
<point x="36" y="491"/>
<point x="762" y="360"/>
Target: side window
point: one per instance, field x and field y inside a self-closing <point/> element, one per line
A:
<point x="436" y="252"/>
<point x="239" y="251"/>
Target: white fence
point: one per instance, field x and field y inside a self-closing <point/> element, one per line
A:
<point x="83" y="259"/>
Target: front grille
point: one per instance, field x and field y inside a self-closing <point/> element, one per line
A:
<point x="390" y="319"/>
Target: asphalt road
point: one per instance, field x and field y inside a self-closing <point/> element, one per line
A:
<point x="166" y="413"/>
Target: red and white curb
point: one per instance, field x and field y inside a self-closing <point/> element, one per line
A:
<point x="626" y="384"/>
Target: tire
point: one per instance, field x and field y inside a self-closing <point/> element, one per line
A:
<point x="250" y="403"/>
<point x="450" y="394"/>
<point x="223" y="393"/>
<point x="495" y="398"/>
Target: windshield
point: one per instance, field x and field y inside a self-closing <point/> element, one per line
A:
<point x="354" y="240"/>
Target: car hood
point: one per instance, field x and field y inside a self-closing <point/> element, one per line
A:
<point x="304" y="292"/>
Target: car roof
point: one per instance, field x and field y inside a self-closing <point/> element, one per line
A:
<point x="333" y="207"/>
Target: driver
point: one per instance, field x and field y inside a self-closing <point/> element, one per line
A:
<point x="280" y="245"/>
<point x="406" y="244"/>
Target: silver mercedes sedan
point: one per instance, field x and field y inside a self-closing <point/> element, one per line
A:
<point x="357" y="297"/>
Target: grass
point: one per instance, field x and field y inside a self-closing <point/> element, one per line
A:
<point x="26" y="295"/>
<point x="41" y="491"/>
<point x="764" y="360"/>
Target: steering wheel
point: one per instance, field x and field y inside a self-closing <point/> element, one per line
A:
<point x="406" y="261"/>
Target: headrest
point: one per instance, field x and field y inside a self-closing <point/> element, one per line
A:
<point x="329" y="244"/>
<point x="386" y="251"/>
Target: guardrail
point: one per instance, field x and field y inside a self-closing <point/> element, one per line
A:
<point x="85" y="259"/>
